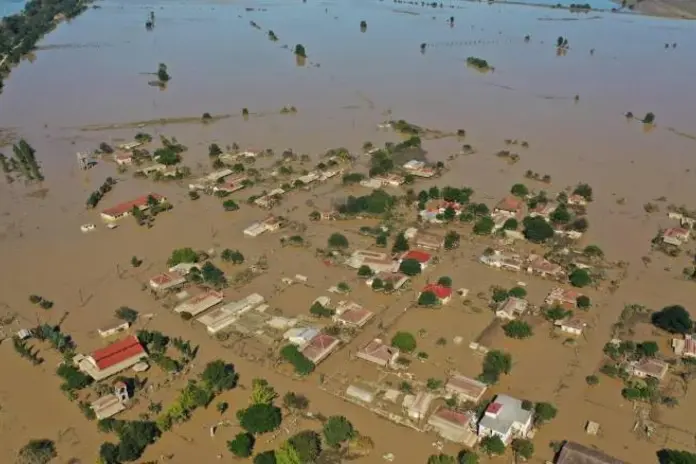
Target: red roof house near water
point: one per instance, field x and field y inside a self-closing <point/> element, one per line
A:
<point x="124" y="209"/>
<point x="440" y="291"/>
<point x="112" y="359"/>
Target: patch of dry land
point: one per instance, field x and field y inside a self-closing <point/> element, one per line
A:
<point x="684" y="9"/>
<point x="310" y="267"/>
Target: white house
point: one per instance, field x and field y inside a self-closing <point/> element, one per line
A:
<point x="506" y="418"/>
<point x="511" y="308"/>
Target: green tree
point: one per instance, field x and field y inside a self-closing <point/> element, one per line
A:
<point x="556" y="313"/>
<point x="377" y="284"/>
<point x="510" y="224"/>
<point x="484" y="226"/>
<point x="452" y="240"/>
<point x="286" y="454"/>
<point x="300" y="50"/>
<point x="648" y="349"/>
<point x="37" y="452"/>
<point x="108" y="453"/>
<point x="449" y="214"/>
<point x="593" y="251"/>
<point x="242" y="445"/>
<point x="519" y="190"/>
<point x="230" y="205"/>
<point x="127" y="314"/>
<point x="262" y="392"/>
<point x="74" y="378"/>
<point x="267" y="457"/>
<point x="592" y="380"/>
<point x="400" y="244"/>
<point x="233" y="256"/>
<point x="307" y="444"/>
<point x="560" y="215"/>
<point x="583" y="302"/>
<point x="495" y="363"/>
<point x="302" y="365"/>
<point x="405" y="341"/>
<point x="673" y="319"/>
<point x="182" y="255"/>
<point x="219" y="376"/>
<point x="314" y="216"/>
<point x="492" y="445"/>
<point x="337" y="240"/>
<point x="670" y="456"/>
<point x="428" y="299"/>
<point x="544" y="412"/>
<point x="381" y="240"/>
<point x="517" y="329"/>
<point x="364" y="271"/>
<point x="467" y="457"/>
<point x="317" y="309"/>
<point x="259" y="418"/>
<point x="213" y="275"/>
<point x="518" y="292"/>
<point x="445" y="281"/>
<point x="222" y="407"/>
<point x="580" y="278"/>
<point x="584" y="190"/>
<point x="410" y="267"/>
<point x="536" y="229"/>
<point x="338" y="429"/>
<point x="214" y="150"/>
<point x="523" y="448"/>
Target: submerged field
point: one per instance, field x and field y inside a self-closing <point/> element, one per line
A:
<point x="90" y="72"/>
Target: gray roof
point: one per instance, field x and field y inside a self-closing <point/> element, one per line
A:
<point x="575" y="453"/>
<point x="509" y="411"/>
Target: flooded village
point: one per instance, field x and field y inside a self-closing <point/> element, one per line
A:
<point x="347" y="232"/>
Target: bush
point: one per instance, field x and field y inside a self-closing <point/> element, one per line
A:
<point x="583" y="302"/>
<point x="320" y="311"/>
<point x="364" y="271"/>
<point x="404" y="341"/>
<point x="303" y="366"/>
<point x="593" y="251"/>
<point x="673" y="319"/>
<point x="400" y="244"/>
<point x="510" y="224"/>
<point x="338" y="429"/>
<point x="260" y="418"/>
<point x="293" y="400"/>
<point x="445" y="281"/>
<point x="182" y="255"/>
<point x="584" y="190"/>
<point x="580" y="278"/>
<point x="517" y="329"/>
<point x="592" y="380"/>
<point x="337" y="240"/>
<point x="242" y="445"/>
<point x="233" y="256"/>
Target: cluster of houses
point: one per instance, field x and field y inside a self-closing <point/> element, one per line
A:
<point x="217" y="181"/>
<point x="533" y="264"/>
<point x="385" y="180"/>
<point x="126" y="208"/>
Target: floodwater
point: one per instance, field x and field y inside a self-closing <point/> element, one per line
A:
<point x="92" y="71"/>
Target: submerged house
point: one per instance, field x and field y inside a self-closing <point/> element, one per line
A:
<point x="111" y="360"/>
<point x="125" y="209"/>
<point x="379" y="353"/>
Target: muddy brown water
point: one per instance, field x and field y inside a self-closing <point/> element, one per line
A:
<point x="220" y="64"/>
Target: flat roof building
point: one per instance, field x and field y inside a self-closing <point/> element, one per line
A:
<point x="506" y="418"/>
<point x="166" y="280"/>
<point x="229" y="313"/>
<point x="200" y="303"/>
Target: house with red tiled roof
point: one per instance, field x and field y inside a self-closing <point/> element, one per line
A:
<point x="686" y="347"/>
<point x="125" y="209"/>
<point x="566" y="298"/>
<point x="352" y="314"/>
<point x="379" y="353"/>
<point x="443" y="294"/>
<point x="543" y="267"/>
<point x="320" y="347"/>
<point x="112" y="359"/>
<point x="166" y="280"/>
<point x="422" y="257"/>
<point x="512" y="205"/>
<point x="675" y="236"/>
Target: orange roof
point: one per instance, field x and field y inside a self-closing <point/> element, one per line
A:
<point x="128" y="206"/>
<point x="118" y="352"/>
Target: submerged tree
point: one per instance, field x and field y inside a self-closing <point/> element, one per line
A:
<point x="162" y="73"/>
<point x="300" y="51"/>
